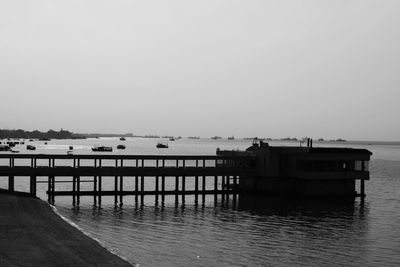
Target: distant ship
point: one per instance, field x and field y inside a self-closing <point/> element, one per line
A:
<point x="122" y="139"/>
<point x="161" y="145"/>
<point x="194" y="137"/>
<point x="30" y="147"/>
<point x="102" y="149"/>
<point x="216" y="137"/>
<point x="151" y="136"/>
<point x="120" y="147"/>
<point x="231" y="138"/>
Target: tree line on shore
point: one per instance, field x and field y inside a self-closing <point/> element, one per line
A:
<point x="50" y="134"/>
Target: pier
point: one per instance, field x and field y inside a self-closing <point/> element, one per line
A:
<point x="261" y="169"/>
<point x="128" y="174"/>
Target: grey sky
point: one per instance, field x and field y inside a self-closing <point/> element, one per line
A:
<point x="267" y="68"/>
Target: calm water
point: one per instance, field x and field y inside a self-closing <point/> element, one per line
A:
<point x="244" y="231"/>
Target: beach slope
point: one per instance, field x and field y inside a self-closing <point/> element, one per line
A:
<point x="31" y="234"/>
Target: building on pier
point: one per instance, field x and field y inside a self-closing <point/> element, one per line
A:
<point x="311" y="171"/>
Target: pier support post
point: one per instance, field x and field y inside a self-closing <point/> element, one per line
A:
<point x="162" y="188"/>
<point x="11" y="177"/>
<point x="215" y="184"/>
<point x="235" y="183"/>
<point x="121" y="189"/>
<point x="196" y="180"/>
<point x="163" y="183"/>
<point x="116" y="184"/>
<point x="11" y="183"/>
<point x="176" y="184"/>
<point x="74" y="190"/>
<point x="100" y="189"/>
<point x="53" y="182"/>
<point x="115" y="190"/>
<point x="121" y="184"/>
<point x="362" y="188"/>
<point x="78" y="189"/>
<point x="95" y="184"/>
<point x="142" y="188"/>
<point x="49" y="189"/>
<point x="32" y="189"/>
<point x="196" y="184"/>
<point x="157" y="185"/>
<point x="137" y="184"/>
<point x="94" y="190"/>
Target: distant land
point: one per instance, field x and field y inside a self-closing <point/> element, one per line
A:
<point x="51" y="134"/>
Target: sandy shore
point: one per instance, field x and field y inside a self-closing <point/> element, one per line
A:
<point x="31" y="234"/>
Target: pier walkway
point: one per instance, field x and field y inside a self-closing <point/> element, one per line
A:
<point x="137" y="175"/>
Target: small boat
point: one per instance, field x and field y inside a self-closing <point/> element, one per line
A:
<point x="30" y="147"/>
<point x="11" y="144"/>
<point x="161" y="145"/>
<point x="4" y="148"/>
<point x="70" y="152"/>
<point x="71" y="148"/>
<point x="122" y="139"/>
<point x="231" y="138"/>
<point x="102" y="149"/>
<point x="15" y="151"/>
<point x="172" y="139"/>
<point x="120" y="147"/>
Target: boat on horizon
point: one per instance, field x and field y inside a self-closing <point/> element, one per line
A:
<point x="102" y="149"/>
<point x="121" y="147"/>
<point x="122" y="139"/>
<point x="161" y="145"/>
<point x="30" y="147"/>
<point x="4" y="148"/>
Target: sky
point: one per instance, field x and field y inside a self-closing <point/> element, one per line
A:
<point x="263" y="68"/>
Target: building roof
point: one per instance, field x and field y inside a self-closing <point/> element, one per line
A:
<point x="338" y="150"/>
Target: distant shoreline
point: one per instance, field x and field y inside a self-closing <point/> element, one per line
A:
<point x="51" y="134"/>
<point x="64" y="134"/>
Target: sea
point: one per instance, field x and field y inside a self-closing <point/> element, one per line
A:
<point x="240" y="231"/>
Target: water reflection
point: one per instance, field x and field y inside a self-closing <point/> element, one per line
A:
<point x="230" y="230"/>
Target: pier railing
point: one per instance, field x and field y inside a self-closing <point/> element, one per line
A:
<point x="221" y="172"/>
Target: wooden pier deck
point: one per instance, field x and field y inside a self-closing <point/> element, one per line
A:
<point x="221" y="172"/>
